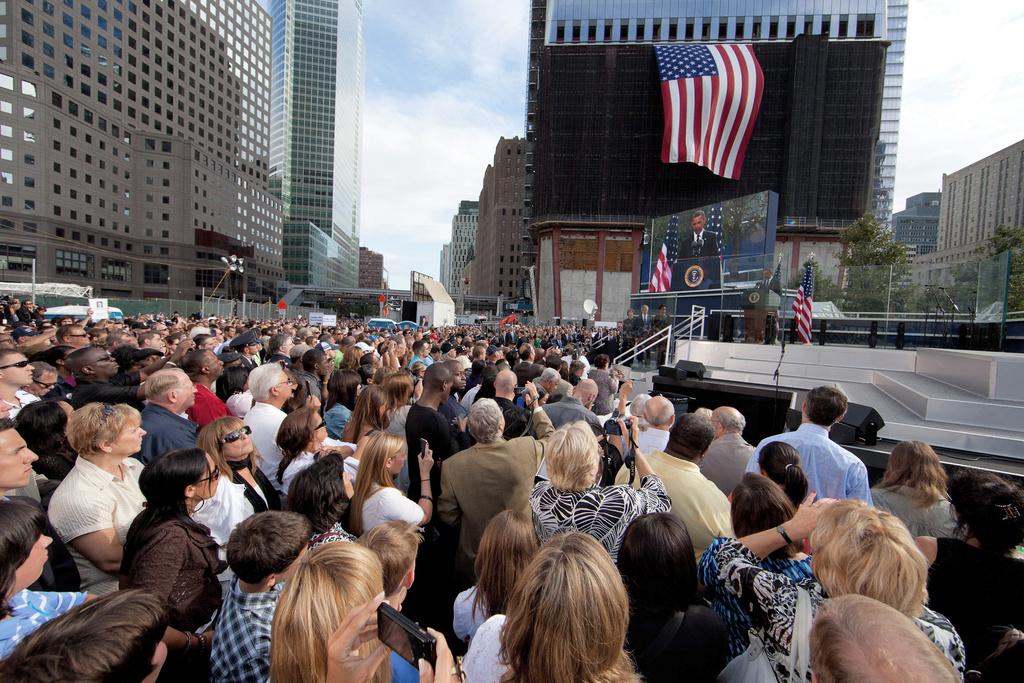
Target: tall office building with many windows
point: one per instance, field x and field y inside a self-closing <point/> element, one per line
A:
<point x="316" y="136"/>
<point x="134" y="145"/>
<point x="464" y="227"/>
<point x="556" y="22"/>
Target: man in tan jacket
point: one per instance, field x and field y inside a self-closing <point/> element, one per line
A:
<point x="493" y="475"/>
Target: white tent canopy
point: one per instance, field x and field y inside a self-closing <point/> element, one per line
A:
<point x="46" y="289"/>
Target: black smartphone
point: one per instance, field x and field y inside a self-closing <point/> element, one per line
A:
<point x="519" y="391"/>
<point x="424" y="444"/>
<point x="405" y="637"/>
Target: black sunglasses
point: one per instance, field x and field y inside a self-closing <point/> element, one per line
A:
<point x="234" y="436"/>
<point x="19" y="364"/>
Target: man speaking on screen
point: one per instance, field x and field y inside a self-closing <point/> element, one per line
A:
<point x="698" y="242"/>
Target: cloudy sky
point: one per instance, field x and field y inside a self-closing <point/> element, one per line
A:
<point x="445" y="80"/>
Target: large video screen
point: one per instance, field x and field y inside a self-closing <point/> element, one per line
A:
<point x="688" y="250"/>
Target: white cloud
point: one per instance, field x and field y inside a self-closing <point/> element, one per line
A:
<point x="962" y="91"/>
<point x="425" y="152"/>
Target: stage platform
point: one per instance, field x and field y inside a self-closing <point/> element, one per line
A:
<point x="966" y="401"/>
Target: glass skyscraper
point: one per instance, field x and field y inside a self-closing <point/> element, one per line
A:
<point x="554" y="22"/>
<point x="316" y="137"/>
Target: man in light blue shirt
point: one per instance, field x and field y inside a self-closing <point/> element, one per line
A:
<point x="421" y="353"/>
<point x="832" y="471"/>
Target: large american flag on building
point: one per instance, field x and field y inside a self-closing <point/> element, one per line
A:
<point x="802" y="305"/>
<point x="661" y="279"/>
<point x="711" y="95"/>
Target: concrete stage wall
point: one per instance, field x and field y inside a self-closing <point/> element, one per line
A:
<point x="969" y="401"/>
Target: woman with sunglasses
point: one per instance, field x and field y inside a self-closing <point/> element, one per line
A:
<point x="301" y="440"/>
<point x="172" y="556"/>
<point x="227" y="440"/>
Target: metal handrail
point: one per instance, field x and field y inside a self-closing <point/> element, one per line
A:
<point x="643" y="345"/>
<point x="671" y="333"/>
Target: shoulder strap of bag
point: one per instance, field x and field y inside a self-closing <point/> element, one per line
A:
<point x="665" y="636"/>
<point x="800" y="649"/>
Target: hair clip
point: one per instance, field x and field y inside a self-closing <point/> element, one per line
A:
<point x="1010" y="512"/>
<point x="108" y="410"/>
<point x="788" y="465"/>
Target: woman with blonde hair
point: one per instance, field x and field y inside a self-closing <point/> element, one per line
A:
<point x="229" y="442"/>
<point x="566" y="621"/>
<point x="572" y="499"/>
<point x="914" y="489"/>
<point x="97" y="501"/>
<point x="858" y="550"/>
<point x="506" y="548"/>
<point x="330" y="582"/>
<point x="376" y="499"/>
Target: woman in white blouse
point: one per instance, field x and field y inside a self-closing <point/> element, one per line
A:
<point x="376" y="499"/>
<point x="95" y="504"/>
<point x="301" y="440"/>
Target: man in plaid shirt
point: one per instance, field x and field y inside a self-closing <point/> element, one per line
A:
<point x="263" y="551"/>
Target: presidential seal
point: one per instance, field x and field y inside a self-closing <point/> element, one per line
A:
<point x="693" y="276"/>
<point x="754" y="298"/>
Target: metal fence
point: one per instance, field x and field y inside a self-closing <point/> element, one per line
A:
<point x="210" y="306"/>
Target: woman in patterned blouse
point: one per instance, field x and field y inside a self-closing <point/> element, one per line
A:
<point x="572" y="500"/>
<point x="757" y="503"/>
<point x="858" y="550"/>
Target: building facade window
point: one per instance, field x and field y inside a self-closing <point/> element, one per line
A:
<point x="154" y="274"/>
<point x="73" y="263"/>
<point x="116" y="270"/>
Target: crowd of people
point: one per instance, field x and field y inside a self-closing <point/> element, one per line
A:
<point x="233" y="500"/>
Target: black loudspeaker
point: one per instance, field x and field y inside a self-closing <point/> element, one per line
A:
<point x="873" y="334"/>
<point x="409" y="311"/>
<point x="684" y="369"/>
<point x="727" y="328"/>
<point x="793" y="419"/>
<point x="901" y="333"/>
<point x="861" y="424"/>
<point x="792" y="330"/>
<point x="822" y="331"/>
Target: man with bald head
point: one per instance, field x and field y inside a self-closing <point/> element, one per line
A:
<point x="728" y="455"/>
<point x="660" y="415"/>
<point x="169" y="395"/>
<point x="576" y="407"/>
<point x="517" y="420"/>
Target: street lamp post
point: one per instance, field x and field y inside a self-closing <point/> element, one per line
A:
<point x="384" y="304"/>
<point x="232" y="264"/>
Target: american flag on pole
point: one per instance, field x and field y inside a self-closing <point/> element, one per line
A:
<point x="711" y="95"/>
<point x="661" y="279"/>
<point x="802" y="305"/>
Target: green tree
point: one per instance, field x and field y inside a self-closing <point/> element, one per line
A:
<point x="874" y="261"/>
<point x="1011" y="239"/>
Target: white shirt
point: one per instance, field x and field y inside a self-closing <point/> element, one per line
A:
<point x="467" y="620"/>
<point x="300" y="463"/>
<point x="388" y="504"/>
<point x="23" y="398"/>
<point x="482" y="663"/>
<point x="222" y="513"/>
<point x="91" y="499"/>
<point x="239" y="405"/>
<point x="467" y="400"/>
<point x="264" y="420"/>
<point x="651" y="440"/>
